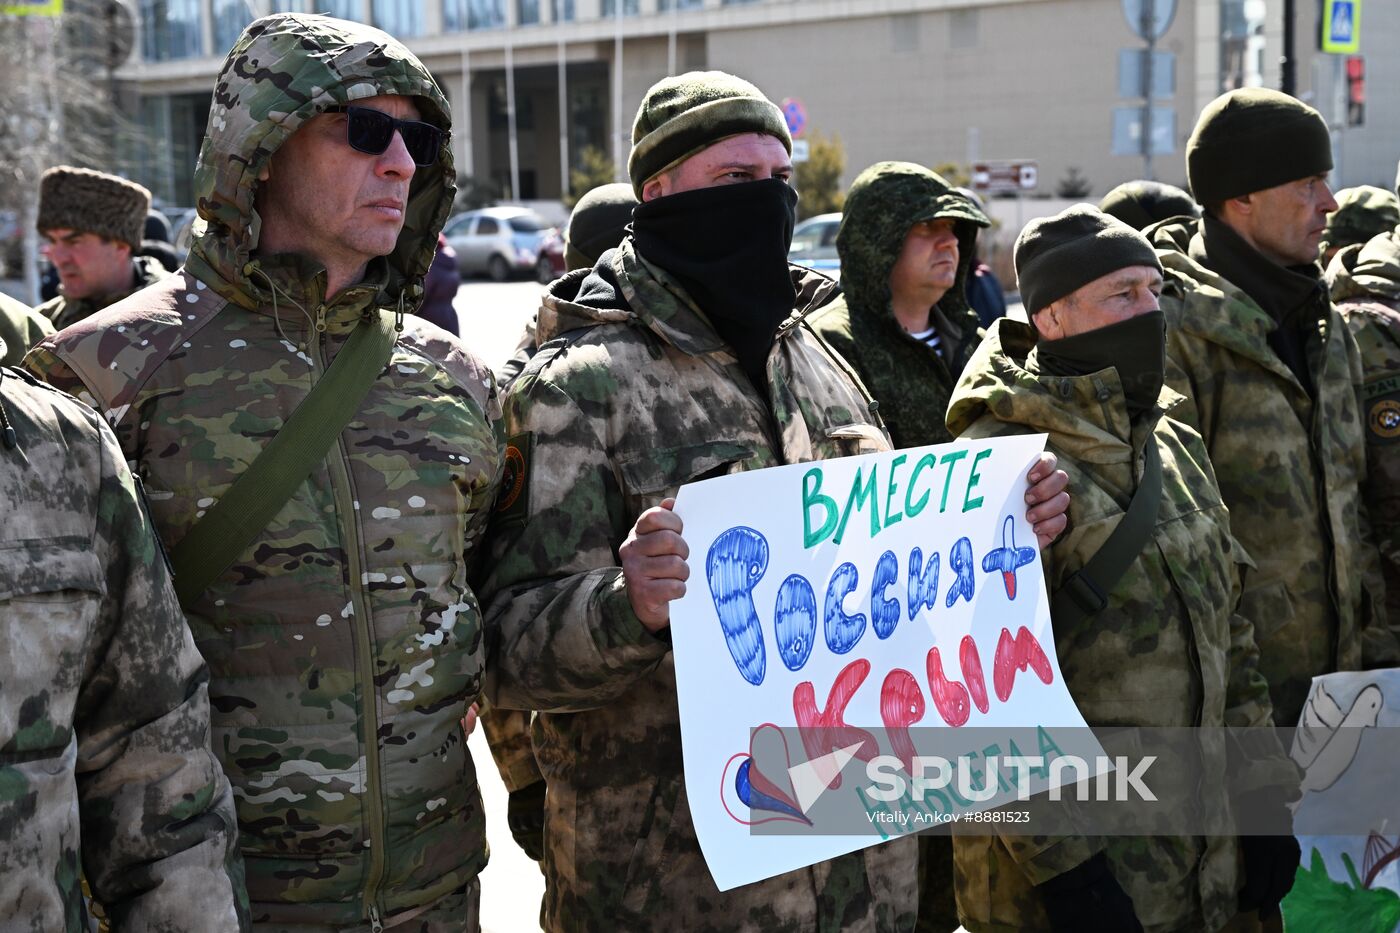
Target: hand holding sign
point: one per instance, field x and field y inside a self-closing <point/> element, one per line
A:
<point x="653" y="565"/>
<point x="1047" y="499"/>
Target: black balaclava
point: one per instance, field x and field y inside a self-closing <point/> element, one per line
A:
<point x="1137" y="348"/>
<point x="728" y="245"/>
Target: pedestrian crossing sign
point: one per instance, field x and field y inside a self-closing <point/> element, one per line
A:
<point x="31" y="7"/>
<point x="1341" y="26"/>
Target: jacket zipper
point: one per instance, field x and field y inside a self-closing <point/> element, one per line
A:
<point x="1320" y="487"/>
<point x="364" y="649"/>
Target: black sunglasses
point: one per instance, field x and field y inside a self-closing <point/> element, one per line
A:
<point x="371" y="132"/>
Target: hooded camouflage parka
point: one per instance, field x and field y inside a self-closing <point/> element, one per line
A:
<point x="632" y="395"/>
<point x="910" y="380"/>
<point x="346" y="642"/>
<point x="1169" y="649"/>
<point x="1289" y="466"/>
<point x="1365" y="285"/>
<point x="105" y="769"/>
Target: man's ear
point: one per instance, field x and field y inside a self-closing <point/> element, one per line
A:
<point x="655" y="188"/>
<point x="1046" y="322"/>
<point x="1244" y="204"/>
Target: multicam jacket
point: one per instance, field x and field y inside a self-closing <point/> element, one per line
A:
<point x="1289" y="469"/>
<point x="631" y="395"/>
<point x="105" y="769"/>
<point x="1168" y="650"/>
<point x="63" y="312"/>
<point x="910" y="380"/>
<point x="20" y="329"/>
<point x="345" y="643"/>
<point x="1365" y="284"/>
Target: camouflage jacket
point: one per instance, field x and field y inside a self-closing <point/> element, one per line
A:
<point x="632" y="395"/>
<point x="345" y="643"/>
<point x="20" y="329"/>
<point x="910" y="380"/>
<point x="105" y="768"/>
<point x="1365" y="283"/>
<point x="1289" y="469"/>
<point x="63" y="312"/>
<point x="1168" y="650"/>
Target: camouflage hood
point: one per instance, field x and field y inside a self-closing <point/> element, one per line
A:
<point x="1003" y="380"/>
<point x="884" y="202"/>
<point x="284" y="70"/>
<point x="1367" y="270"/>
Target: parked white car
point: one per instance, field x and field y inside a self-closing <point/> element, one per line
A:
<point x="497" y="241"/>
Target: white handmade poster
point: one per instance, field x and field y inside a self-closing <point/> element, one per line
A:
<point x="836" y="609"/>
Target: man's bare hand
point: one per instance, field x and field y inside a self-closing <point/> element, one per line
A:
<point x="1047" y="499"/>
<point x="653" y="565"/>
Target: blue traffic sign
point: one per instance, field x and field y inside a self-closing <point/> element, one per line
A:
<point x="1341" y="26"/>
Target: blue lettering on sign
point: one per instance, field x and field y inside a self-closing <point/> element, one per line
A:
<point x="842" y="630"/>
<point x="923" y="584"/>
<point x="884" y="612"/>
<point x="795" y="621"/>
<point x="961" y="563"/>
<point x="735" y="564"/>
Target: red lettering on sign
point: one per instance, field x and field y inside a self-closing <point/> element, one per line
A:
<point x="825" y="730"/>
<point x="949" y="696"/>
<point x="971" y="660"/>
<point x="901" y="705"/>
<point x="1017" y="655"/>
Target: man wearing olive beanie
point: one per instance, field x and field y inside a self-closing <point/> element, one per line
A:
<point x="1089" y="370"/>
<point x="1272" y="377"/>
<point x="683" y="353"/>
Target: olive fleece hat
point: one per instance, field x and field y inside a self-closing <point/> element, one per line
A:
<point x="1254" y="138"/>
<point x="598" y="223"/>
<point x="1056" y="256"/>
<point x="682" y="114"/>
<point x="93" y="202"/>
<point x="1362" y="213"/>
<point x="1140" y="204"/>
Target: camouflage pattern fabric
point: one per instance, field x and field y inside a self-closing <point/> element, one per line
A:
<point x="346" y="642"/>
<point x="20" y="329"/>
<point x="637" y="397"/>
<point x="105" y="768"/>
<point x="508" y="735"/>
<point x="1168" y="650"/>
<point x="1362" y="213"/>
<point x="1289" y="467"/>
<point x="63" y="312"/>
<point x="1366" y="287"/>
<point x="909" y="379"/>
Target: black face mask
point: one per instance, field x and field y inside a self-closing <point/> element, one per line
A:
<point x="1137" y="348"/>
<point x="728" y="246"/>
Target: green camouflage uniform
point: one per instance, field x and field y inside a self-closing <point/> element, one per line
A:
<point x="910" y="380"/>
<point x="1365" y="283"/>
<point x="1289" y="465"/>
<point x="1168" y="650"/>
<point x="64" y="312"/>
<point x="105" y="769"/>
<point x="345" y="643"/>
<point x="20" y="329"/>
<point x="1362" y="213"/>
<point x="631" y="396"/>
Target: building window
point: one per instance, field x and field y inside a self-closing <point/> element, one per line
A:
<point x="562" y="11"/>
<point x="341" y="9"/>
<point x="230" y="16"/>
<point x="629" y="8"/>
<point x="171" y="29"/>
<point x="402" y="19"/>
<point x="527" y="12"/>
<point x="666" y="5"/>
<point x="458" y="15"/>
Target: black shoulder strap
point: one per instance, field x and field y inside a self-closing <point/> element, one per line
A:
<point x="1085" y="593"/>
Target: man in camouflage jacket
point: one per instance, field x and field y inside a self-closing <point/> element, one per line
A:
<point x="650" y="376"/>
<point x="20" y="328"/>
<point x="1169" y="648"/>
<point x="345" y="643"/>
<point x="1271" y="374"/>
<point x="907" y="241"/>
<point x="105" y="768"/>
<point x="1365" y="285"/>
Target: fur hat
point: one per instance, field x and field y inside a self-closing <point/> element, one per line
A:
<point x="93" y="202"/>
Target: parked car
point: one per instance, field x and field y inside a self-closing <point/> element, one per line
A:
<point x="497" y="241"/>
<point x="550" y="265"/>
<point x="814" y="244"/>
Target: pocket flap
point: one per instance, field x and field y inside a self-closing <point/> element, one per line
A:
<point x="664" y="468"/>
<point x="51" y="566"/>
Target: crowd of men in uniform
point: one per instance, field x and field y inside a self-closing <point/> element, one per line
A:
<point x="269" y="737"/>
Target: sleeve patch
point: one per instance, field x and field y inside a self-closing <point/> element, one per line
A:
<point x="514" y="500"/>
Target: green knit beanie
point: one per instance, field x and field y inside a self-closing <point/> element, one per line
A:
<point x="683" y="114"/>
<point x="598" y="223"/>
<point x="1252" y="139"/>
<point x="1056" y="256"/>
<point x="1362" y="213"/>
<point x="93" y="202"/>
<point x="1140" y="204"/>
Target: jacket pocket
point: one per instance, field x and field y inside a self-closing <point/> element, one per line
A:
<point x="666" y="820"/>
<point x="659" y="471"/>
<point x="50" y="597"/>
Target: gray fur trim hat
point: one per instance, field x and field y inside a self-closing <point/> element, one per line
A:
<point x="93" y="202"/>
